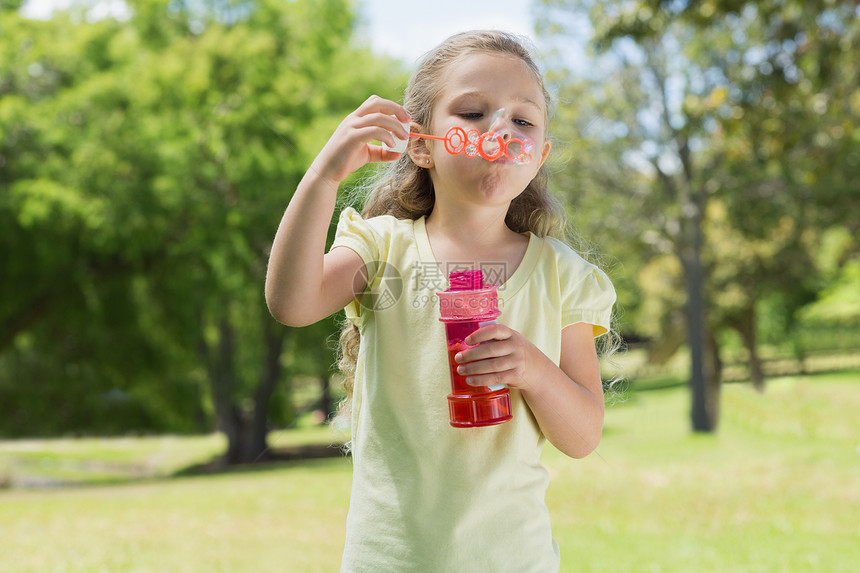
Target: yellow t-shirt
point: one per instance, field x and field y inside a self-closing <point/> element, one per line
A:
<point x="428" y="497"/>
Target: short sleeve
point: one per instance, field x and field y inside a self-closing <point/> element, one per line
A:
<point x="590" y="301"/>
<point x="355" y="233"/>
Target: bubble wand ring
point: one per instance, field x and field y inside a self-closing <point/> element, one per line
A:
<point x="490" y="145"/>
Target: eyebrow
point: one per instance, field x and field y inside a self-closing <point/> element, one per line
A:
<point x="518" y="98"/>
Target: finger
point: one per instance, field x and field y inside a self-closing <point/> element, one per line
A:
<point x="386" y="121"/>
<point x="487" y="366"/>
<point x="377" y="121"/>
<point x="376" y="104"/>
<point x="366" y="134"/>
<point x="507" y="377"/>
<point x="488" y="349"/>
<point x="378" y="154"/>
<point x="489" y="332"/>
<point x="379" y="127"/>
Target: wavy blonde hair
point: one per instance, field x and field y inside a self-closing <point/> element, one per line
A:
<point x="405" y="191"/>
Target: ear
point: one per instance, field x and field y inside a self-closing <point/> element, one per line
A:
<point x="544" y="152"/>
<point x="418" y="150"/>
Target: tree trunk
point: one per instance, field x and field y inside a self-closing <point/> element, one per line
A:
<point x="701" y="413"/>
<point x="246" y="432"/>
<point x="274" y="336"/>
<point x="222" y="377"/>
<point x="713" y="378"/>
<point x="746" y="327"/>
<point x="326" y="401"/>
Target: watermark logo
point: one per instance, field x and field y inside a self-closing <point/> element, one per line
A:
<point x="386" y="289"/>
<point x="424" y="281"/>
<point x="429" y="278"/>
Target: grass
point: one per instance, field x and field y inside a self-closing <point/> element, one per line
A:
<point x="776" y="489"/>
<point x="101" y="460"/>
<point x="89" y="461"/>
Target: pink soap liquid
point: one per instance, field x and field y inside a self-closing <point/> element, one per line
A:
<point x="472" y="406"/>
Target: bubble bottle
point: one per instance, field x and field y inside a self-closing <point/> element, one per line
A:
<point x="466" y="306"/>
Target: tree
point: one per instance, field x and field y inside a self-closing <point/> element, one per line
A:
<point x="275" y="83"/>
<point x="151" y="162"/>
<point x="683" y="102"/>
<point x="648" y="131"/>
<point x="81" y="223"/>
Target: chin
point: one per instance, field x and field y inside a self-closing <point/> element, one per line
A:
<point x="496" y="186"/>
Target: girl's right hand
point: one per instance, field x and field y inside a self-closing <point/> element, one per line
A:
<point x="350" y="147"/>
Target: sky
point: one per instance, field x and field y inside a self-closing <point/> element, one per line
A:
<point x="407" y="30"/>
<point x="402" y="29"/>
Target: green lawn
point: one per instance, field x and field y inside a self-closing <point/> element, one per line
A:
<point x="776" y="489"/>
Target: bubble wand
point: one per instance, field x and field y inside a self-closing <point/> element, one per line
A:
<point x="490" y="145"/>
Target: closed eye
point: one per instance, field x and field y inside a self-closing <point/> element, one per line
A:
<point x="471" y="115"/>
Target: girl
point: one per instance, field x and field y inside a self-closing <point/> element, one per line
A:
<point x="428" y="497"/>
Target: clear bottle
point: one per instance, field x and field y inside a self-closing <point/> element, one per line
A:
<point x="466" y="306"/>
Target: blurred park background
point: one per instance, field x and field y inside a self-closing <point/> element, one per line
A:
<point x="708" y="152"/>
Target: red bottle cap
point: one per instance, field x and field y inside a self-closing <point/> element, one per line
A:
<point x="468" y="298"/>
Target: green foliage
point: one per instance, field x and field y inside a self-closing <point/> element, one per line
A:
<point x="145" y="166"/>
<point x="839" y="302"/>
<point x="752" y="107"/>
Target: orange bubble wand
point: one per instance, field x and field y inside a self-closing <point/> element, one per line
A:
<point x="490" y="145"/>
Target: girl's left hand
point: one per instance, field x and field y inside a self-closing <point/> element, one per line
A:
<point x="503" y="356"/>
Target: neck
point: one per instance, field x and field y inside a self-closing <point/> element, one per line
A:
<point x="472" y="229"/>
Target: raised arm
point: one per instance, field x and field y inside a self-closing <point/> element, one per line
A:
<point x="303" y="283"/>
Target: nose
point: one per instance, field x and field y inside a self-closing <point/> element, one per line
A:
<point x="500" y="123"/>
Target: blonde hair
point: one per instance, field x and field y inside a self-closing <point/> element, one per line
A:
<point x="404" y="190"/>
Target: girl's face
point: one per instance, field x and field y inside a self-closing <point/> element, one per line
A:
<point x="487" y="92"/>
